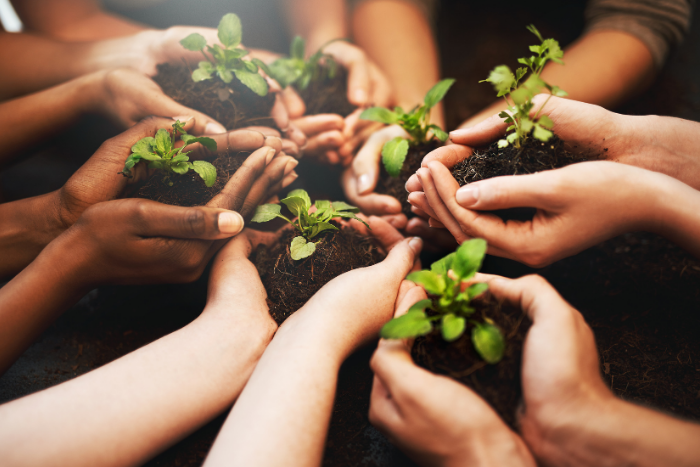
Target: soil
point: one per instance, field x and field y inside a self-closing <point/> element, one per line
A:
<point x="240" y="108"/>
<point x="189" y="189"/>
<point x="328" y="96"/>
<point x="396" y="186"/>
<point x="498" y="384"/>
<point x="290" y="283"/>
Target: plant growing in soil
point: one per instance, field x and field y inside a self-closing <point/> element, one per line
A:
<point x="161" y="154"/>
<point x="308" y="223"/>
<point x="509" y="86"/>
<point x="450" y="305"/>
<point x="227" y="61"/>
<point x="299" y="72"/>
<point x="416" y="122"/>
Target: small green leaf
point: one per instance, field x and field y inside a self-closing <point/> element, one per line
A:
<point x="343" y="206"/>
<point x="230" y="31"/>
<point x="533" y="29"/>
<point x="296" y="205"/>
<point x="488" y="342"/>
<point x="502" y="79"/>
<point x="144" y="145"/>
<point x="303" y="195"/>
<point x="297" y="49"/>
<point x="421" y="305"/>
<point x="180" y="167"/>
<point x="475" y="290"/>
<point x="542" y="134"/>
<point x="203" y="72"/>
<point x="452" y="327"/>
<point x="224" y="73"/>
<point x="262" y="65"/>
<point x="254" y="81"/>
<point x="208" y="143"/>
<point x="437" y="92"/>
<point x="439" y="133"/>
<point x="469" y="256"/>
<point x="300" y="249"/>
<point x="557" y="91"/>
<point x="320" y="227"/>
<point x="380" y="114"/>
<point x="431" y="282"/>
<point x="545" y="121"/>
<point x="163" y="143"/>
<point x="206" y="171"/>
<point x="443" y="265"/>
<point x="412" y="324"/>
<point x="502" y="143"/>
<point x="194" y="42"/>
<point x="250" y="66"/>
<point x="393" y="154"/>
<point x="350" y="215"/>
<point x="266" y="212"/>
<point x="322" y="206"/>
<point x="178" y="158"/>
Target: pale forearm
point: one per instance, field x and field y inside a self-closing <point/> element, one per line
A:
<point x="317" y="21"/>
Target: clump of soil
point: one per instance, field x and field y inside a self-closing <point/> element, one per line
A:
<point x="328" y="96"/>
<point x="396" y="186"/>
<point x="189" y="189"/>
<point x="241" y="107"/>
<point x="498" y="384"/>
<point x="290" y="284"/>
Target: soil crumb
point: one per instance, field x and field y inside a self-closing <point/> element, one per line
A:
<point x="328" y="96"/>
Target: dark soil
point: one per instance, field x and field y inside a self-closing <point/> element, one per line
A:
<point x="498" y="384"/>
<point x="328" y="96"/>
<point x="290" y="284"/>
<point x="240" y="108"/>
<point x="396" y="186"/>
<point x="189" y="189"/>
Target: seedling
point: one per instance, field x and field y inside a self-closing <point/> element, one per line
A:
<point x="508" y="85"/>
<point x="161" y="153"/>
<point x="416" y="122"/>
<point x="308" y="224"/>
<point x="451" y="306"/>
<point x="299" y="72"/>
<point x="227" y="61"/>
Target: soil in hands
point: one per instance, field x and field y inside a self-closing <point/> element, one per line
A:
<point x="240" y="108"/>
<point x="189" y="189"/>
<point x="498" y="384"/>
<point x="396" y="186"/>
<point x="290" y="284"/>
<point x="328" y="96"/>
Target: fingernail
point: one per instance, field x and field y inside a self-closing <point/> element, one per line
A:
<point x="416" y="244"/>
<point x="467" y="195"/>
<point x="184" y="118"/>
<point x="270" y="154"/>
<point x="363" y="184"/>
<point x="214" y="128"/>
<point x="360" y="96"/>
<point x="230" y="223"/>
<point x="290" y="166"/>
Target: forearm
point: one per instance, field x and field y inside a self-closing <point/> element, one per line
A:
<point x="129" y="410"/>
<point x="27" y="227"/>
<point x="404" y="48"/>
<point x="317" y="21"/>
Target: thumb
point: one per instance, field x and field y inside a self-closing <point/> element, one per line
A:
<point x="203" y="124"/>
<point x="365" y="166"/>
<point x="532" y="190"/>
<point x="400" y="259"/>
<point x="485" y="132"/>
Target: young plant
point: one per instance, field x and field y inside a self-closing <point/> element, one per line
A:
<point x="451" y="306"/>
<point x="226" y="60"/>
<point x="518" y="95"/>
<point x="308" y="224"/>
<point x="161" y="153"/>
<point x="416" y="122"/>
<point x="299" y="72"/>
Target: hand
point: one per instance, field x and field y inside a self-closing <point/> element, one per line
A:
<point x="360" y="180"/>
<point x="434" y="419"/>
<point x="562" y="387"/>
<point x="576" y="207"/>
<point x="98" y="180"/>
<point x="324" y="137"/>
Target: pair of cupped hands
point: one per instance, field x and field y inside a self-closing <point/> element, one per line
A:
<point x="130" y="95"/>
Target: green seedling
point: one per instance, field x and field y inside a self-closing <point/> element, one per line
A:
<point x="308" y="224"/>
<point x="518" y="94"/>
<point x="226" y="60"/>
<point x="416" y="122"/>
<point x="296" y="71"/>
<point x="161" y="154"/>
<point x="452" y="308"/>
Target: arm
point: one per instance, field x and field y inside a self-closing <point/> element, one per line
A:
<point x="304" y="359"/>
<point x="131" y="409"/>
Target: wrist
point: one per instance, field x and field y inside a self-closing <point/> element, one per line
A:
<point x="311" y="330"/>
<point x="498" y="447"/>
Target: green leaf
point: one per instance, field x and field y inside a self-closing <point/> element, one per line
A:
<point x="519" y="73"/>
<point x="250" y="66"/>
<point x="545" y="121"/>
<point x="163" y="143"/>
<point x="452" y="327"/>
<point x="204" y="71"/>
<point x="542" y="133"/>
<point x="206" y="171"/>
<point x="475" y="290"/>
<point x="300" y="249"/>
<point x="421" y="305"/>
<point x="554" y="52"/>
<point x="488" y="342"/>
<point x="320" y="227"/>
<point x="502" y="79"/>
<point x="431" y="282"/>
<point x="469" y="256"/>
<point x="194" y="42"/>
<point x="266" y="212"/>
<point x="178" y="158"/>
<point x="205" y="141"/>
<point x="296" y="205"/>
<point x="350" y="215"/>
<point x="303" y="195"/>
<point x="230" y="30"/>
<point x="224" y="73"/>
<point x="412" y="324"/>
<point x="322" y="206"/>
<point x="502" y="143"/>
<point x="180" y="167"/>
<point x="297" y="49"/>
<point x="254" y="81"/>
<point x="439" y="133"/>
<point x="380" y="114"/>
<point x="443" y="265"/>
<point x="437" y="92"/>
<point x="144" y="145"/>
<point x="533" y="29"/>
<point x="343" y="206"/>
<point x="393" y="154"/>
<point x="557" y="91"/>
<point x="262" y="65"/>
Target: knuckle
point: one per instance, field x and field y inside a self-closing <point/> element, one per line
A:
<point x="195" y="222"/>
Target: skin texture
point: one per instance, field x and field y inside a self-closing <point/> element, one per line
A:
<point x="305" y="357"/>
<point x="30" y="224"/>
<point x="129" y="410"/>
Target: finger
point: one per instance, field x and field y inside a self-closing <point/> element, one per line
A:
<point x="533" y="294"/>
<point x="366" y="164"/>
<point x="435" y="224"/>
<point x="294" y="104"/>
<point x="354" y="140"/>
<point x="384" y="232"/>
<point x="537" y="190"/>
<point x="419" y="200"/>
<point x="381" y="88"/>
<point x="324" y="141"/>
<point x="383" y="411"/>
<point x="237" y="140"/>
<point x="290" y="148"/>
<point x="265" y="130"/>
<point x="412" y="296"/>
<point x="420" y="213"/>
<point x="371" y="203"/>
<point x="435" y="239"/>
<point x="438" y="207"/>
<point x="332" y="157"/>
<point x="236" y="190"/>
<point x="154" y="219"/>
<point x="413" y="184"/>
<point x="449" y="155"/>
<point x="203" y="124"/>
<point x="358" y="77"/>
<point x="260" y="190"/>
<point x="397" y="221"/>
<point x="314" y="124"/>
<point x="482" y="134"/>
